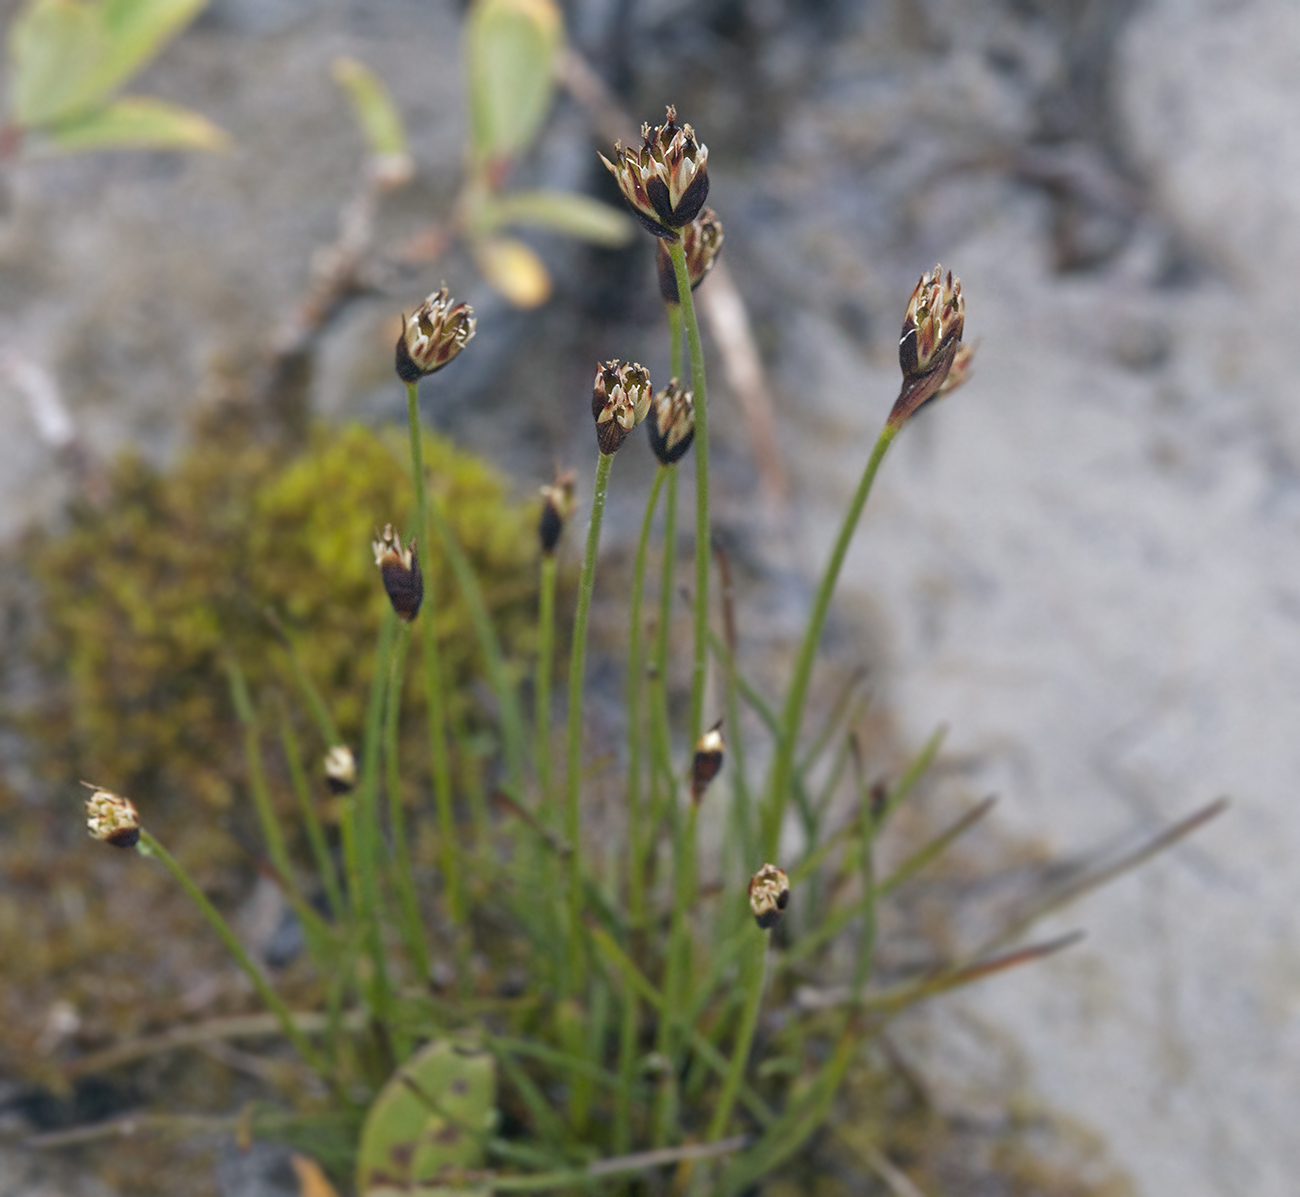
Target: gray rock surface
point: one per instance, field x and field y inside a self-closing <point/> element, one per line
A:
<point x="1085" y="565"/>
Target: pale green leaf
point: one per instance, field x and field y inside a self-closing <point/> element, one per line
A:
<point x="511" y="47"/>
<point x="69" y="56"/>
<point x="433" y="1114"/>
<point x="564" y="212"/>
<point x="136" y="122"/>
<point x="373" y="106"/>
<point x="137" y="30"/>
<point x="53" y="46"/>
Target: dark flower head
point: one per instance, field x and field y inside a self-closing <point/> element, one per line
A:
<point x="113" y="819"/>
<point x="769" y="894"/>
<point x="619" y="402"/>
<point x="707" y="763"/>
<point x="671" y="424"/>
<point x="701" y="241"/>
<point x="436" y="333"/>
<point x="932" y="328"/>
<point x="665" y="180"/>
<point x="340" y="770"/>
<point x="400" y="569"/>
<point x="558" y="503"/>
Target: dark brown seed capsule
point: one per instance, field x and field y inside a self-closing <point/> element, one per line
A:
<point x="400" y="570"/>
<point x="708" y="761"/>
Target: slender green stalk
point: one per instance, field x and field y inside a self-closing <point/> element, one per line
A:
<point x="512" y="720"/>
<point x="661" y="739"/>
<point x="675" y="340"/>
<point x="577" y="668"/>
<point x="320" y="712"/>
<point x="701" y="449"/>
<point x="433" y="677"/>
<point x="365" y="810"/>
<point x="272" y="1000"/>
<point x="310" y="819"/>
<point x="792" y="715"/>
<point x="712" y="1058"/>
<point x="271" y="833"/>
<point x="545" y="676"/>
<point x="635" y="814"/>
<point x="635" y="722"/>
<point x="753" y="974"/>
<point x="314" y="927"/>
<point x="404" y="878"/>
<point x="680" y="957"/>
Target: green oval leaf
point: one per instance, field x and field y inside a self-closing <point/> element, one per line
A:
<point x="564" y="212"/>
<point x="136" y="122"/>
<point x="432" y="1115"/>
<point x="67" y="56"/>
<point x="372" y="103"/>
<point x="510" y="57"/>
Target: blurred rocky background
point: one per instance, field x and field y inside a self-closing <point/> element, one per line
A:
<point x="1083" y="563"/>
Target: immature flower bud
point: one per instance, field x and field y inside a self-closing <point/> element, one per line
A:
<point x="671" y="425"/>
<point x="437" y="332"/>
<point x="619" y="402"/>
<point x="665" y="181"/>
<point x="701" y="241"/>
<point x="340" y="769"/>
<point x="932" y="330"/>
<point x="769" y="894"/>
<point x="113" y="819"/>
<point x="708" y="761"/>
<point x="400" y="569"/>
<point x="558" y="503"/>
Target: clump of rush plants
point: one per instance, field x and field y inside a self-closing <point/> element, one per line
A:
<point x="530" y="1010"/>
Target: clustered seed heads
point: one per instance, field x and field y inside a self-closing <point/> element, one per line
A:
<point x="400" y="569"/>
<point x="932" y="328"/>
<point x="620" y="400"/>
<point x="436" y="333"/>
<point x="665" y="180"/>
<point x="701" y="243"/>
<point x="113" y="819"/>
<point x="671" y="426"/>
<point x="707" y="762"/>
<point x="769" y="894"/>
<point x="558" y="504"/>
<point x="341" y="765"/>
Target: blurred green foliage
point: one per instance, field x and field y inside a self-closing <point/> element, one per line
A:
<point x="149" y="594"/>
<point x="68" y="58"/>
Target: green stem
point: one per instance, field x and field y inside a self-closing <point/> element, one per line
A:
<point x="412" y="928"/>
<point x="577" y="668"/>
<point x="701" y="448"/>
<point x="792" y="716"/>
<point x="545" y="675"/>
<point x="366" y="812"/>
<point x="678" y="969"/>
<point x="433" y="676"/>
<point x="311" y="820"/>
<point x="752" y="978"/>
<point x="512" y="721"/>
<point x="635" y="723"/>
<point x="675" y="340"/>
<point x="271" y="833"/>
<point x="662" y="774"/>
<point x="272" y="1000"/>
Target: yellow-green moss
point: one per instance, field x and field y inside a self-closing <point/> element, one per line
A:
<point x="147" y="593"/>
